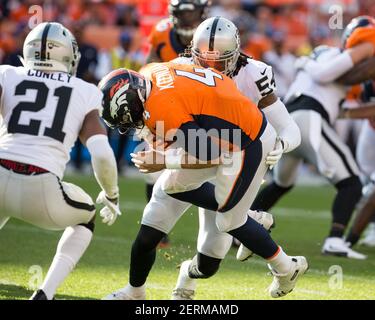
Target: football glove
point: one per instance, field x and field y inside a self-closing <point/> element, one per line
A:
<point x="111" y="209"/>
<point x="275" y="155"/>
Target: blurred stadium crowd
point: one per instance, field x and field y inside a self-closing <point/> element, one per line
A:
<point x="113" y="34"/>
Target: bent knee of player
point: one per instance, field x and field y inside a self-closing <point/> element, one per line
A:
<point x="209" y="269"/>
<point x="76" y="193"/>
<point x="90" y="225"/>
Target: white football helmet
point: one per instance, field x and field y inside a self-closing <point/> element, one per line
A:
<point x="216" y="44"/>
<point x="51" y="47"/>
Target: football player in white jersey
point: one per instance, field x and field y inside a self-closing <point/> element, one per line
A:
<point x="44" y="109"/>
<point x="216" y="44"/>
<point x="314" y="100"/>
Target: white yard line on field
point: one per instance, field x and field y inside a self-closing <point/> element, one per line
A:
<point x="301" y="213"/>
<point x="5" y="282"/>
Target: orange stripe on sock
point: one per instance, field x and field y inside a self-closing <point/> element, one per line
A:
<point x="276" y="253"/>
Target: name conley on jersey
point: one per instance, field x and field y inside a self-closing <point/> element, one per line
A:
<point x="60" y="76"/>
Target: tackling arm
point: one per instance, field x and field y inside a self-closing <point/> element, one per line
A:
<point x="359" y="73"/>
<point x="94" y="136"/>
<point x="279" y="117"/>
<point x="364" y="111"/>
<point x="328" y="71"/>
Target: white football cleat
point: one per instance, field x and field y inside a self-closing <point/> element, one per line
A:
<point x="335" y="246"/>
<point x="266" y="220"/>
<point x="127" y="293"/>
<point x="185" y="288"/>
<point x="369" y="239"/>
<point x="283" y="284"/>
<point x="182" y="294"/>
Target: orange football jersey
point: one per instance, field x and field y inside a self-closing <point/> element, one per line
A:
<point x="186" y="93"/>
<point x="163" y="40"/>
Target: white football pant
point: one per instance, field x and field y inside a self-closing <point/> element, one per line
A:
<point x="320" y="146"/>
<point x="43" y="200"/>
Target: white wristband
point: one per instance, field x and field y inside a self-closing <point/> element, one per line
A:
<point x="173" y="159"/>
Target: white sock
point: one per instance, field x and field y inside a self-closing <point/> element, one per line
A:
<point x="72" y="245"/>
<point x="281" y="262"/>
<point x="135" y="291"/>
<point x="184" y="281"/>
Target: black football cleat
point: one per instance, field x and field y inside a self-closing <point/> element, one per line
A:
<point x="39" y="295"/>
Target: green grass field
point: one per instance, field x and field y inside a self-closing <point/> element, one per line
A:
<point x="302" y="220"/>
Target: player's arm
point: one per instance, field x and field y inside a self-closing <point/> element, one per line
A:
<point x="94" y="136"/>
<point x="155" y="160"/>
<point x="363" y="111"/>
<point x="361" y="72"/>
<point x="279" y="117"/>
<point x="289" y="136"/>
<point x="288" y="133"/>
<point x="328" y="71"/>
<point x="194" y="149"/>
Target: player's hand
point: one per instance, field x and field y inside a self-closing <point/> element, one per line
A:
<point x="149" y="161"/>
<point x="275" y="155"/>
<point x="111" y="209"/>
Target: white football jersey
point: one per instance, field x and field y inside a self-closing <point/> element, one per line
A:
<point x="255" y="80"/>
<point x="329" y="95"/>
<point x="42" y="115"/>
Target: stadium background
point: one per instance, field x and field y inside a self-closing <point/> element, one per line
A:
<point x="276" y="31"/>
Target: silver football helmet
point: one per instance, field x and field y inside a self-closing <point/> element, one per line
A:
<point x="51" y="47"/>
<point x="216" y="44"/>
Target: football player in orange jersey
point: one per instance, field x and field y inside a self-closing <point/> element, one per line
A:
<point x="170" y="37"/>
<point x="213" y="133"/>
